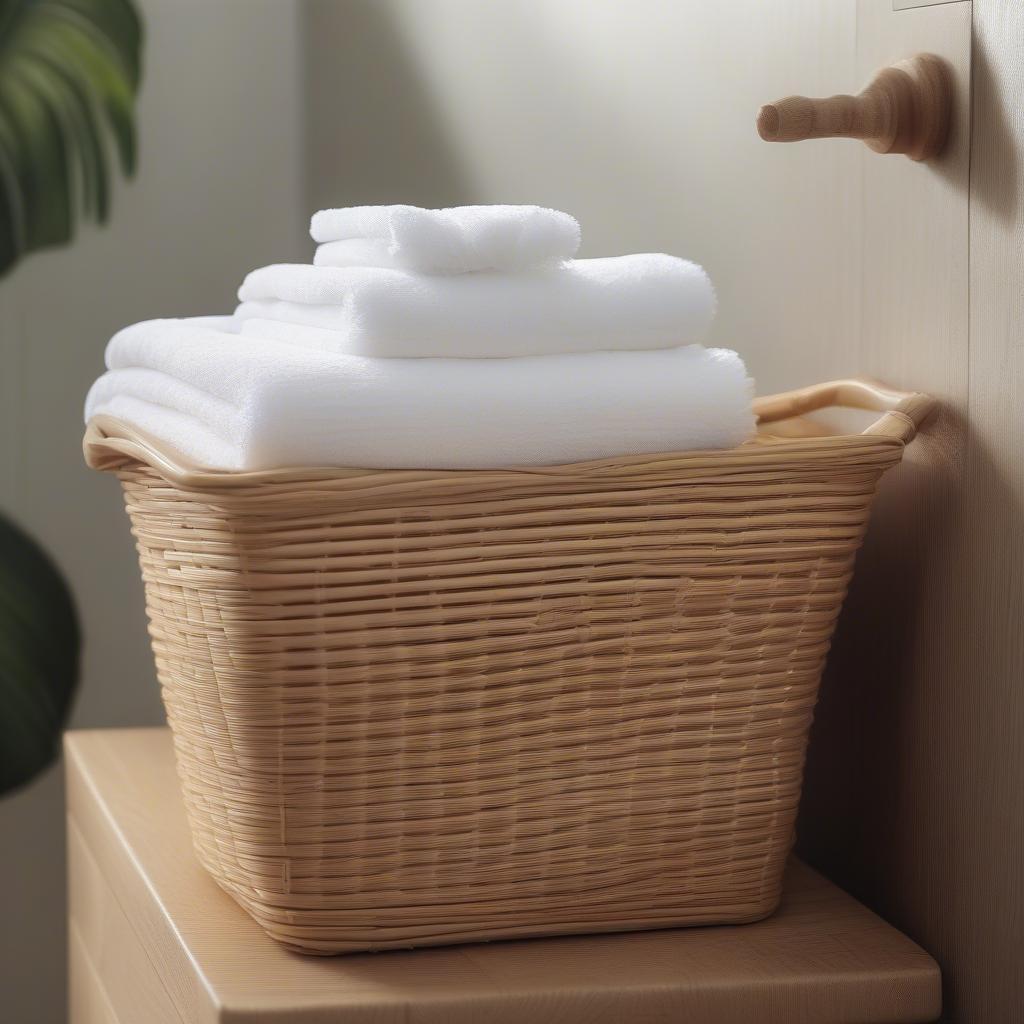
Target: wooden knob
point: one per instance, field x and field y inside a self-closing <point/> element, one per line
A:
<point x="904" y="109"/>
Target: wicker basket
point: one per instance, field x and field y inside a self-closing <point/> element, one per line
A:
<point x="414" y="708"/>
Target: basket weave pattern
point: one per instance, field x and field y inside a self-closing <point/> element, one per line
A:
<point x="419" y="708"/>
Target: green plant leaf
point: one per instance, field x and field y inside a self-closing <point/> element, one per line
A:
<point x="69" y="73"/>
<point x="39" y="651"/>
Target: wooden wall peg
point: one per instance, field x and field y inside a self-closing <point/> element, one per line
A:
<point x="904" y="109"/>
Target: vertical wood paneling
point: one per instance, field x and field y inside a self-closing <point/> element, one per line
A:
<point x="987" y="861"/>
<point x="914" y="795"/>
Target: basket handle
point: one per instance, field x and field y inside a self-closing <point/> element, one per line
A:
<point x="904" y="411"/>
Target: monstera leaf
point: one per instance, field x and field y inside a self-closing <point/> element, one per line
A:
<point x="67" y="69"/>
<point x="39" y="645"/>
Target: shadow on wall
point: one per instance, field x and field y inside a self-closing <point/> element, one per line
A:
<point x="390" y="140"/>
<point x="993" y="126"/>
<point x="892" y="755"/>
<point x="877" y="747"/>
<point x="913" y="793"/>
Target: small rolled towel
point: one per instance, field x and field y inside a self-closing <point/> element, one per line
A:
<point x="644" y="301"/>
<point x="240" y="403"/>
<point x="452" y="241"/>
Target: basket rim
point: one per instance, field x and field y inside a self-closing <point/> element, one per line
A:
<point x="111" y="444"/>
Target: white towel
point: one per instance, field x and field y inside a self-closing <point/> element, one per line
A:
<point x="452" y="241"/>
<point x="356" y="252"/>
<point x="232" y="402"/>
<point x="644" y="301"/>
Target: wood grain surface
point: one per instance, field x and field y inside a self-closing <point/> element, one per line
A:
<point x="913" y="797"/>
<point x="162" y="939"/>
<point x="87" y="996"/>
<point x="982" y="706"/>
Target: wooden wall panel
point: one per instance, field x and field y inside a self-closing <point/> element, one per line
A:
<point x="914" y="795"/>
<point x="986" y="863"/>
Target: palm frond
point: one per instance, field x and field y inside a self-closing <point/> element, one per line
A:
<point x="39" y="649"/>
<point x="69" y="73"/>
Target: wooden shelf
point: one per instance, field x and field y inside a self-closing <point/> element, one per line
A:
<point x="153" y="939"/>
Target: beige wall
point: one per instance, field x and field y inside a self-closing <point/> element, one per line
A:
<point x="219" y="190"/>
<point x="638" y="117"/>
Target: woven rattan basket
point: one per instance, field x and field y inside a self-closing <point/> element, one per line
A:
<point x="416" y="708"/>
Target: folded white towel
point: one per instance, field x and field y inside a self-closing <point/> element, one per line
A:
<point x="323" y="338"/>
<point x="644" y="301"/>
<point x="234" y="402"/>
<point x="356" y="252"/>
<point x="452" y="241"/>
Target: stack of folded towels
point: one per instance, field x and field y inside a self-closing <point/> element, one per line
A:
<point x="465" y="338"/>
